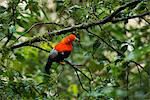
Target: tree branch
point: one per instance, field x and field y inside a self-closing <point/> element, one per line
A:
<point x="80" y="26"/>
<point x="145" y="20"/>
<point x="130" y="17"/>
<point x="36" y="24"/>
<point x="140" y="67"/>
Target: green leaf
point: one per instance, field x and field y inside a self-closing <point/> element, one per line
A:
<point x="138" y="53"/>
<point x="141" y="7"/>
<point x="22" y="22"/>
<point x="2" y="9"/>
<point x="1" y="35"/>
<point x="59" y="4"/>
<point x="96" y="44"/>
<point x="118" y="60"/>
<point x="19" y="57"/>
<point x="124" y="48"/>
<point x="108" y="90"/>
<point x="12" y="29"/>
<point x="74" y="89"/>
<point x="95" y="94"/>
<point x="44" y="13"/>
<point x="120" y="92"/>
<point x="20" y="33"/>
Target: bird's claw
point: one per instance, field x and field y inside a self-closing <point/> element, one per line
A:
<point x="62" y="62"/>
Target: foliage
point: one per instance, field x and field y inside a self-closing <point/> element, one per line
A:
<point x="111" y="63"/>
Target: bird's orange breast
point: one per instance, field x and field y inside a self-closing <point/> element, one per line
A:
<point x="63" y="47"/>
<point x="65" y="44"/>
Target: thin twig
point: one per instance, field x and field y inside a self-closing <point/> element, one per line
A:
<point x="36" y="90"/>
<point x="139" y="75"/>
<point x="80" y="81"/>
<point x="3" y="37"/>
<point x="60" y="73"/>
<point x="91" y="78"/>
<point x="105" y="42"/>
<point x="127" y="71"/>
<point x="39" y="48"/>
<point x="140" y="66"/>
<point x="90" y="74"/>
<point x="9" y="35"/>
<point x="77" y="70"/>
<point x="43" y="94"/>
<point x="130" y="17"/>
<point x="145" y="20"/>
<point x="13" y="19"/>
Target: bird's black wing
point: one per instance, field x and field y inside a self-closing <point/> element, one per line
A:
<point x="53" y="55"/>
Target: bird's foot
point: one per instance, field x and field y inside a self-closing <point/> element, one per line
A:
<point x="62" y="63"/>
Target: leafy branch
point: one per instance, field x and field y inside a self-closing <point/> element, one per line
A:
<point x="79" y="26"/>
<point x="36" y="24"/>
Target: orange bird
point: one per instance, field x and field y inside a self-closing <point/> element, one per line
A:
<point x="61" y="51"/>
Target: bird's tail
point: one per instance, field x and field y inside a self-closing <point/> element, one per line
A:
<point x="48" y="65"/>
